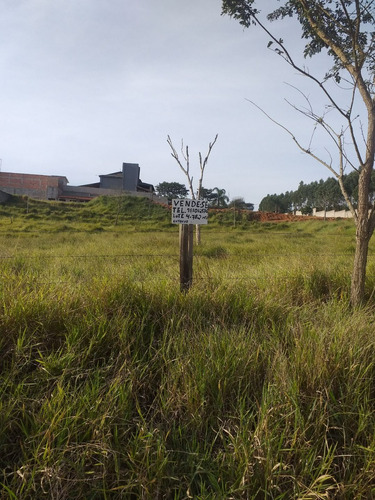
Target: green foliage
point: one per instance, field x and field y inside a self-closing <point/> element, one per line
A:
<point x="275" y="203"/>
<point x="240" y="204"/>
<point x="307" y="210"/>
<point x="322" y="195"/>
<point x="220" y="199"/>
<point x="171" y="190"/>
<point x="216" y="197"/>
<point x="346" y="28"/>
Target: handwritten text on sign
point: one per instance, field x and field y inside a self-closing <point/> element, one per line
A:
<point x="189" y="211"/>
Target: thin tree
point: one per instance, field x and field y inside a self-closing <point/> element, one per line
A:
<point x="184" y="165"/>
<point x="344" y="29"/>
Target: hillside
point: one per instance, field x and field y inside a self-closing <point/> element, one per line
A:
<point x="109" y="213"/>
<point x="100" y="214"/>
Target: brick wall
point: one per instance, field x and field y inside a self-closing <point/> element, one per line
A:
<point x="35" y="186"/>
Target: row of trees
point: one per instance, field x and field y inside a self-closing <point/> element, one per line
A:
<point x="322" y="195"/>
<point x="216" y="197"/>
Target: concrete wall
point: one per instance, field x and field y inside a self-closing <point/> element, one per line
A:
<point x="111" y="182"/>
<point x="4" y="197"/>
<point x="130" y="176"/>
<point x="75" y="192"/>
<point x="85" y="192"/>
<point x="334" y="214"/>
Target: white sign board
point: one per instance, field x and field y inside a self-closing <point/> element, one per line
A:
<point x="186" y="211"/>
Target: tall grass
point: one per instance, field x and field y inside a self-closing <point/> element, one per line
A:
<point x="257" y="384"/>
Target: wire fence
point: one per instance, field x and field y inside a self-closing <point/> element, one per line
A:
<point x="23" y="258"/>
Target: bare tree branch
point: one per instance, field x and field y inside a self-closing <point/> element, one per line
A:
<point x="346" y="30"/>
<point x="338" y="141"/>
<point x="320" y="120"/>
<point x="285" y="54"/>
<point x="186" y="170"/>
<point x="202" y="165"/>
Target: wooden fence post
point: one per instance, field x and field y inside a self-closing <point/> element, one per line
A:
<point x="186" y="256"/>
<point x="185" y="211"/>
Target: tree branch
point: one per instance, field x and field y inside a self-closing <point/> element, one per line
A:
<point x="339" y="175"/>
<point x="186" y="170"/>
<point x="174" y="154"/>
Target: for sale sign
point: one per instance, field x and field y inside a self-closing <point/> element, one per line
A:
<point x="186" y="211"/>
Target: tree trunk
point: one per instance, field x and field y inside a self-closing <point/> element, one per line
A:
<point x="364" y="230"/>
<point x="357" y="292"/>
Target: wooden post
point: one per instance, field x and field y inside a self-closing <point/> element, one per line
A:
<point x="190" y="251"/>
<point x="186" y="256"/>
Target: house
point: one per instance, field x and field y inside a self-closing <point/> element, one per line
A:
<point x="126" y="179"/>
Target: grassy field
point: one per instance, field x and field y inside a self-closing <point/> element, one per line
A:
<point x="257" y="384"/>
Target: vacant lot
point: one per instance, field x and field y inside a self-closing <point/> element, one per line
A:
<point x="257" y="384"/>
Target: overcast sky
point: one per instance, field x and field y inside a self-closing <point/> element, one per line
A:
<point x="89" y="84"/>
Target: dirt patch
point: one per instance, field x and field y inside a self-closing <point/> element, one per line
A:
<point x="269" y="216"/>
<point x="274" y="217"/>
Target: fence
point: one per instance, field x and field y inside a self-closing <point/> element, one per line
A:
<point x="247" y="262"/>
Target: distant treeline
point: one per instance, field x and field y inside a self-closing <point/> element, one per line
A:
<point x="322" y="195"/>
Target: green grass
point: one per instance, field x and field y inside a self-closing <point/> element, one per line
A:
<point x="257" y="384"/>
